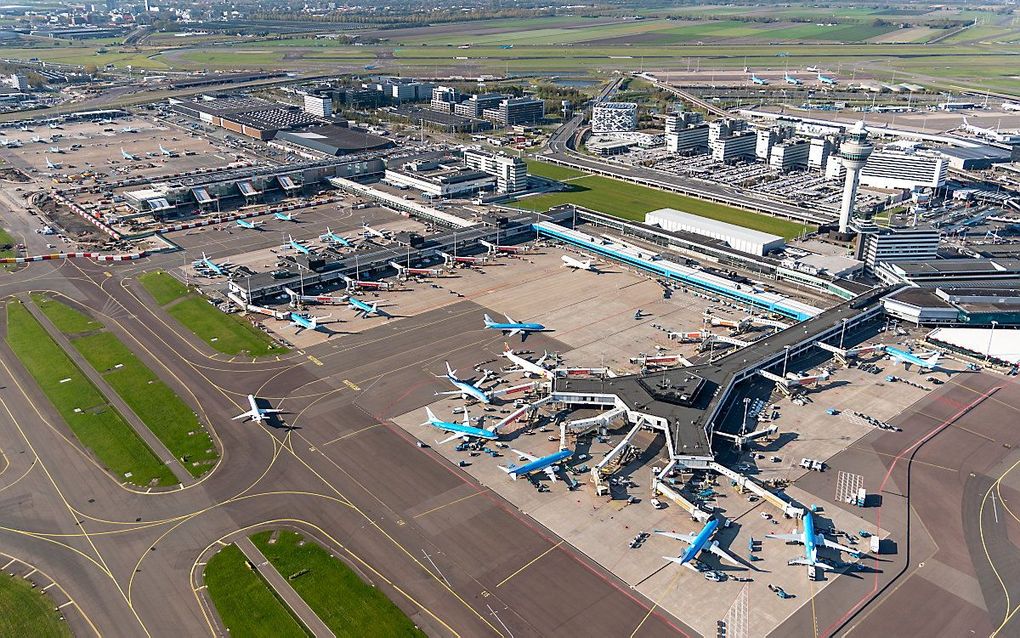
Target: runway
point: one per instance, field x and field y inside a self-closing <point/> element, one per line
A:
<point x="452" y="554"/>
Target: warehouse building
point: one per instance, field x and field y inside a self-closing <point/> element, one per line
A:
<point x="736" y="237"/>
<point x="250" y="116"/>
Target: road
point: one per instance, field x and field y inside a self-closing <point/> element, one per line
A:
<point x="561" y="149"/>
<point x="131" y="561"/>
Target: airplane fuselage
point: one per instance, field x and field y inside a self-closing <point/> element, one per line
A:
<point x="700" y="541"/>
<point x="523" y="327"/>
<point x="466" y="430"/>
<point x="469" y="389"/>
<point x="539" y="464"/>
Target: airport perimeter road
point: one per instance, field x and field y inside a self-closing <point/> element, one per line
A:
<point x="459" y="560"/>
<point x="560" y="148"/>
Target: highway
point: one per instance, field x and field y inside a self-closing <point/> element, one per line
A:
<point x="561" y="149"/>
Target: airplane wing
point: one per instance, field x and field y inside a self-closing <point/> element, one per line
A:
<point x="834" y="545"/>
<point x="525" y="455"/>
<point x="680" y="561"/>
<point x="687" y="538"/>
<point x="243" y="415"/>
<point x="551" y="473"/>
<point x="271" y="411"/>
<point x="513" y="332"/>
<point x="789" y="538"/>
<point x="455" y="435"/>
<point x="724" y="555"/>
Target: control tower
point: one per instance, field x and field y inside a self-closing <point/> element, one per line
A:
<point x="854" y="152"/>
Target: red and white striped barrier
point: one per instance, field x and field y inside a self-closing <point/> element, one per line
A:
<point x="90" y="255"/>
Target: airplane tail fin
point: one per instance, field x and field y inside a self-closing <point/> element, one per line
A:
<point x="450" y="371"/>
<point x="488" y="320"/>
<point x="431" y="416"/>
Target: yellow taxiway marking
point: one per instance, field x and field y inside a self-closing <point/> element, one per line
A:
<point x="528" y="564"/>
<point x="314" y="360"/>
<point x="350" y="434"/>
<point x="353" y="386"/>
<point x="436" y="509"/>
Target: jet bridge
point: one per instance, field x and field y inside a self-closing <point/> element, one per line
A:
<point x="745" y="483"/>
<point x="660" y="487"/>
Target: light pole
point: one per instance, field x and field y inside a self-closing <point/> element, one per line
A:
<point x="988" y="350"/>
<point x="786" y="359"/>
<point x="743" y="424"/>
<point x="841" y="334"/>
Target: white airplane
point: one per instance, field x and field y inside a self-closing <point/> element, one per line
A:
<point x="256" y="413"/>
<point x="56" y="150"/>
<point x="128" y="129"/>
<point x="165" y="152"/>
<point x="53" y="126"/>
<point x="371" y="232"/>
<point x="51" y="165"/>
<point x="128" y="156"/>
<point x="530" y="368"/>
<point x="577" y="264"/>
<point x="38" y="140"/>
<point x="697" y="543"/>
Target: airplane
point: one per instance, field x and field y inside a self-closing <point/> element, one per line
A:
<point x="53" y="126"/>
<point x="547" y="464"/>
<point x="127" y="129"/>
<point x="285" y="217"/>
<point x="9" y="143"/>
<point x="907" y="358"/>
<point x="698" y="543"/>
<point x="371" y="232"/>
<point x="51" y="165"/>
<point x="211" y="267"/>
<point x="249" y="225"/>
<point x="1010" y="106"/>
<point x="165" y="152"/>
<point x="825" y="79"/>
<point x="56" y="149"/>
<point x="811" y="69"/>
<point x="38" y="140"/>
<point x="792" y="79"/>
<point x="298" y="246"/>
<point x="365" y="310"/>
<point x="577" y="264"/>
<point x="810" y="540"/>
<point x="256" y="413"/>
<point x="530" y="368"/>
<point x="333" y="238"/>
<point x="511" y="327"/>
<point x="464" y="388"/>
<point x="106" y="120"/>
<point x="460" y="430"/>
<point x="756" y="79"/>
<point x="128" y="156"/>
<point x="305" y="322"/>
<point x="992" y="134"/>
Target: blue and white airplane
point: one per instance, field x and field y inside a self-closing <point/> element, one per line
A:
<point x="511" y="327"/>
<point x="698" y="543"/>
<point x="285" y="217"/>
<point x="371" y="232"/>
<point x="298" y="246"/>
<point x="465" y="388"/>
<point x="256" y="413"/>
<point x="210" y="267"/>
<point x="547" y="464"/>
<point x="128" y="156"/>
<point x="826" y="79"/>
<point x="908" y="358"/>
<point x="306" y="322"/>
<point x="51" y="165"/>
<point x="810" y="539"/>
<point x="460" y="430"/>
<point x="365" y="310"/>
<point x="759" y="81"/>
<point x="243" y="223"/>
<point x="333" y="238"/>
<point x="792" y="79"/>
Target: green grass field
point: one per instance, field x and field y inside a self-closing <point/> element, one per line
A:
<point x="552" y="171"/>
<point x="64" y="317"/>
<point x="159" y="407"/>
<point x="349" y="607"/>
<point x="631" y="201"/>
<point x="27" y="612"/>
<point x="246" y="604"/>
<point x="98" y="426"/>
<point x="228" y="334"/>
<point x="163" y="286"/>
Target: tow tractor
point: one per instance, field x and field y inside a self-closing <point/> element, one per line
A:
<point x="779" y="591"/>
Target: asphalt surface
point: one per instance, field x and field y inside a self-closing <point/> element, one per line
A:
<point x="453" y="555"/>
